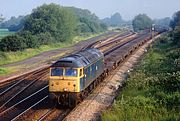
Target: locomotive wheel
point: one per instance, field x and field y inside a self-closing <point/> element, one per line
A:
<point x="72" y="101"/>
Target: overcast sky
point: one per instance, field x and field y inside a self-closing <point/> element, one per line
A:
<point x="102" y="8"/>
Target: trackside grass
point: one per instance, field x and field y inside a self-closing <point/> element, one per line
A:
<point x="5" y="71"/>
<point x="152" y="90"/>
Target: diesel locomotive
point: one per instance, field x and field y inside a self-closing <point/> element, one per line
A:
<point x="74" y="76"/>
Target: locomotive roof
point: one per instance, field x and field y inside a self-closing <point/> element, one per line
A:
<point x="80" y="59"/>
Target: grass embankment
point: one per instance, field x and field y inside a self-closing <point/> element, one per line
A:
<point x="10" y="57"/>
<point x="152" y="90"/>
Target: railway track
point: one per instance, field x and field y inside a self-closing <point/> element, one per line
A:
<point x="110" y="39"/>
<point x="122" y="46"/>
<point x="24" y="104"/>
<point x="22" y="115"/>
<point x="55" y="114"/>
<point x="46" y="114"/>
<point x="113" y="44"/>
<point x="15" y="92"/>
<point x="116" y="55"/>
<point x="6" y="83"/>
<point x="94" y="95"/>
<point x="113" y="40"/>
<point x="22" y="108"/>
<point x="113" y="59"/>
<point x="23" y="87"/>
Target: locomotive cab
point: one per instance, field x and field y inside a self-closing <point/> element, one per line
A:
<point x="64" y="79"/>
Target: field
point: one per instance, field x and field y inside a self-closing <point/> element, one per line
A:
<point x="152" y="90"/>
<point x="4" y="32"/>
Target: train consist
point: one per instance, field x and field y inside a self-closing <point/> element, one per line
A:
<point x="74" y="76"/>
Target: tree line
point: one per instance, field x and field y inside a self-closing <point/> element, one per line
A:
<point x="142" y="21"/>
<point x="13" y="24"/>
<point x="53" y="23"/>
<point x="50" y="24"/>
<point x="114" y="20"/>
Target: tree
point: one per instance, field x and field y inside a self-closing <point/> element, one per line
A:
<point x="14" y="24"/>
<point x="87" y="22"/>
<point x="45" y="38"/>
<point x="49" y="24"/>
<point x="52" y="18"/>
<point x="114" y="20"/>
<point x="175" y="20"/>
<point x="141" y="22"/>
<point x="164" y="22"/>
<point x="31" y="41"/>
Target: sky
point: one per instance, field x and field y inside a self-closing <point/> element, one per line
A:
<point x="102" y="8"/>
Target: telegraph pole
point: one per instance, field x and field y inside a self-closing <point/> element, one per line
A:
<point x="152" y="31"/>
<point x="152" y="34"/>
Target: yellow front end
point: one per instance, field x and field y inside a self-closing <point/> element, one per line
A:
<point x="57" y="84"/>
<point x="65" y="83"/>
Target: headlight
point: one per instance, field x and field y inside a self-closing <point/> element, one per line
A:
<point x="65" y="89"/>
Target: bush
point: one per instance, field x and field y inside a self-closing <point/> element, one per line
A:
<point x="30" y="40"/>
<point x="176" y="36"/>
<point x="45" y="38"/>
<point x="12" y="43"/>
<point x="162" y="40"/>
